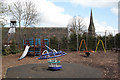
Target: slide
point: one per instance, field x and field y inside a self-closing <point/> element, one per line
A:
<point x="25" y="52"/>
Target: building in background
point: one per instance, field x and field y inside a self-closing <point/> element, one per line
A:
<point x="91" y="28"/>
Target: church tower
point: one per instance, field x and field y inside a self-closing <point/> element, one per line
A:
<point x="91" y="29"/>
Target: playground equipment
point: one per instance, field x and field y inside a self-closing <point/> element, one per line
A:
<point x="25" y="52"/>
<point x="87" y="54"/>
<point x="53" y="63"/>
<point x="86" y="50"/>
<point x="34" y="46"/>
<point x="52" y="54"/>
<point x="102" y="45"/>
<point x="37" y="46"/>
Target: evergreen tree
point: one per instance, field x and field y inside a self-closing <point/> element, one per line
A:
<point x="73" y="42"/>
<point x="117" y="40"/>
<point x="63" y="43"/>
<point x="54" y="43"/>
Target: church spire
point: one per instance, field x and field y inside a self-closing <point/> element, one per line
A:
<point x="91" y="18"/>
<point x="91" y="29"/>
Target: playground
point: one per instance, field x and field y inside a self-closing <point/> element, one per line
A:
<point x="38" y="57"/>
<point x="49" y="39"/>
<point x="48" y="55"/>
<point x="107" y="64"/>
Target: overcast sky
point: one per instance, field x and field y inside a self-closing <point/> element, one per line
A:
<point x="57" y="13"/>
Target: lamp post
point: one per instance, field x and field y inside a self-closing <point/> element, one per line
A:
<point x="76" y="27"/>
<point x="105" y="38"/>
<point x="77" y="38"/>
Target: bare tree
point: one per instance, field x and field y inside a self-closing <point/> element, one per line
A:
<point x="30" y="14"/>
<point x="76" y="25"/>
<point x="3" y="13"/>
<point x="16" y="10"/>
<point x="24" y="13"/>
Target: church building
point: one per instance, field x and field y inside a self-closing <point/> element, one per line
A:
<point x="91" y="28"/>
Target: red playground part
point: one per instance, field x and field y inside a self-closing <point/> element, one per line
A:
<point x="89" y="51"/>
<point x="42" y="45"/>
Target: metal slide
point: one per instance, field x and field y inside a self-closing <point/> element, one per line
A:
<point x="25" y="52"/>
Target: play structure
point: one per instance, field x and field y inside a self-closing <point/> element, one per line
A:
<point x="40" y="48"/>
<point x="91" y="51"/>
<point x="25" y="52"/>
<point x="53" y="54"/>
<point x="102" y="45"/>
<point x="86" y="50"/>
<point x="48" y="55"/>
<point x="34" y="47"/>
<point x="37" y="46"/>
<point x="54" y="65"/>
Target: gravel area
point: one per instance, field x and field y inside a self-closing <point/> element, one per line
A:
<point x="107" y="62"/>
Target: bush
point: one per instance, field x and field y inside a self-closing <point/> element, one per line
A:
<point x="73" y="42"/>
<point x="13" y="48"/>
<point x="5" y="51"/>
<point x="117" y="40"/>
<point x="9" y="50"/>
<point x="110" y="42"/>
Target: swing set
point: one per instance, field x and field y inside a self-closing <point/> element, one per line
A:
<point x="81" y="45"/>
<point x="102" y="45"/>
<point x="86" y="49"/>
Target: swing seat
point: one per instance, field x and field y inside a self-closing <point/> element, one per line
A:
<point x="87" y="53"/>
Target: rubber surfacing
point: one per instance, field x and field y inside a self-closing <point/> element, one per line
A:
<point x="69" y="70"/>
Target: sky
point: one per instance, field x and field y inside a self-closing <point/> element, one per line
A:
<point x="58" y="13"/>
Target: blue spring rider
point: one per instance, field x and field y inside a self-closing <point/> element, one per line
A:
<point x="48" y="55"/>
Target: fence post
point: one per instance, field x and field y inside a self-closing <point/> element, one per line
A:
<point x="105" y="38"/>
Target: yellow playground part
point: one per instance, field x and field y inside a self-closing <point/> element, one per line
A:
<point x="102" y="45"/>
<point x="81" y="45"/>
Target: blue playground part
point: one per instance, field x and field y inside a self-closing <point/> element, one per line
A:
<point x="37" y="43"/>
<point x="52" y="55"/>
<point x="55" y="67"/>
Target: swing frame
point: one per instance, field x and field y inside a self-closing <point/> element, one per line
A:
<point x="102" y="45"/>
<point x="86" y="50"/>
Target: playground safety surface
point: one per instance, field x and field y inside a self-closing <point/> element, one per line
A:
<point x="69" y="70"/>
<point x="106" y="62"/>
